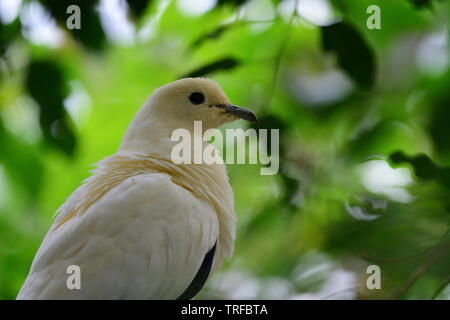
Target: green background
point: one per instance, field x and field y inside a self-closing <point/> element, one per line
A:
<point x="364" y="133"/>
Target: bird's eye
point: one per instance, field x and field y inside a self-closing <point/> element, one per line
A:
<point x="197" y="98"/>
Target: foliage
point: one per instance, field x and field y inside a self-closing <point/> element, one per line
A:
<point x="364" y="135"/>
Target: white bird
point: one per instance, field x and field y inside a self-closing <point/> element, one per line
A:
<point x="143" y="227"/>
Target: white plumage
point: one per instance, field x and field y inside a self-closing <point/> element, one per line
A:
<point x="140" y="226"/>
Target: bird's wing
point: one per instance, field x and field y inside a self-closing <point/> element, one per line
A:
<point x="145" y="238"/>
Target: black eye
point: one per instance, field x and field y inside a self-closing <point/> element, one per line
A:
<point x="197" y="98"/>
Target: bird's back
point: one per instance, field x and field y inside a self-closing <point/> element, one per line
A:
<point x="144" y="236"/>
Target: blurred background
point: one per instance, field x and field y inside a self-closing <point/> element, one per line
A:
<point x="364" y="119"/>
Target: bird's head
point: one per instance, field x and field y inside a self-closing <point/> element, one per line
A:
<point x="196" y="99"/>
<point x="178" y="105"/>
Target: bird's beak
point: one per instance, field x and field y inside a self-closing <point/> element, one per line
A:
<point x="239" y="112"/>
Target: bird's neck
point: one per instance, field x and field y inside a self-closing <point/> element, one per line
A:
<point x="158" y="137"/>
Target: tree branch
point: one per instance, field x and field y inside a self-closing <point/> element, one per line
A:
<point x="441" y="287"/>
<point x="438" y="252"/>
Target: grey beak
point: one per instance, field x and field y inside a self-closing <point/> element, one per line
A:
<point x="240" y="112"/>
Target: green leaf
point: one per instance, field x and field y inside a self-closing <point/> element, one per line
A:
<point x="424" y="167"/>
<point x="353" y="53"/>
<point x="230" y="2"/>
<point x="439" y="128"/>
<point x="7" y="34"/>
<point x="419" y="4"/>
<point x="46" y="84"/>
<point x="222" y="64"/>
<point x="138" y="7"/>
<point x="215" y="34"/>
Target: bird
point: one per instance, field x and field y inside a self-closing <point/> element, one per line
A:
<point x="141" y="226"/>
